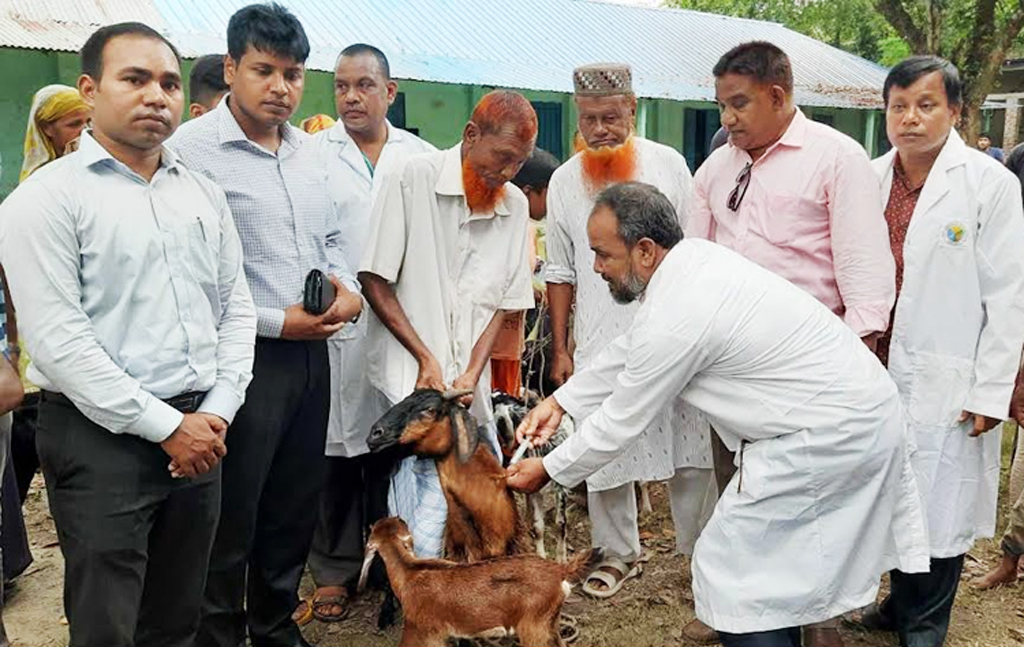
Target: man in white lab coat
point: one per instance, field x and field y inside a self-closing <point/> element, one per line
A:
<point x="357" y="149"/>
<point x="825" y="498"/>
<point x="957" y="231"/>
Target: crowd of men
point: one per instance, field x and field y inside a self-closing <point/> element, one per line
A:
<point x="813" y="349"/>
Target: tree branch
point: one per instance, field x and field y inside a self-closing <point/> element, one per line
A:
<point x="896" y="15"/>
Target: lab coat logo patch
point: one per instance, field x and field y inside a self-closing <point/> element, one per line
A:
<point x="954" y="233"/>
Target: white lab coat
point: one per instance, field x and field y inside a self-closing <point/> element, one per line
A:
<point x="824" y="501"/>
<point x="957" y="333"/>
<point x="355" y="404"/>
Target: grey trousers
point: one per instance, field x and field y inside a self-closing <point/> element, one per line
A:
<point x="1013" y="538"/>
<point x="136" y="542"/>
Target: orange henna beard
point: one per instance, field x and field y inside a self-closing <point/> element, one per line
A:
<point x="607" y="165"/>
<point x="480" y="196"/>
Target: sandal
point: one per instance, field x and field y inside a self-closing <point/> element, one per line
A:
<point x="613" y="583"/>
<point x="303" y="613"/>
<point x="568" y="628"/>
<point x="323" y="603"/>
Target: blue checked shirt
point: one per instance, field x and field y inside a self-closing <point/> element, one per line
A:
<point x="281" y="205"/>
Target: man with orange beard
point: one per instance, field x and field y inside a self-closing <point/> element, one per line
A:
<point x="445" y="260"/>
<point x="676" y="445"/>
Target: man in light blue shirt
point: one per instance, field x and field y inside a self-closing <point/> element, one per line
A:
<point x="277" y="188"/>
<point x="127" y="271"/>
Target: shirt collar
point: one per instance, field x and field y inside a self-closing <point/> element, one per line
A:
<point x="900" y="175"/>
<point x="796" y="132"/>
<point x="229" y="131"/>
<point x="337" y="133"/>
<point x="449" y="180"/>
<point x="90" y="152"/>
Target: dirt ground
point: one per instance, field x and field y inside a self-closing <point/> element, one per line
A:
<point x="649" y="612"/>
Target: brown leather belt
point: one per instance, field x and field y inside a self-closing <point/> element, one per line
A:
<point x="185" y="403"/>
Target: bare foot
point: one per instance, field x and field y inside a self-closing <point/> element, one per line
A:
<point x="1005" y="572"/>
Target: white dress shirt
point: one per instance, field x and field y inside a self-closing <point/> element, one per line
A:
<point x="680" y="436"/>
<point x="354" y="404"/>
<point x="129" y="291"/>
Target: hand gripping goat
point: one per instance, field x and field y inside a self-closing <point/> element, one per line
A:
<point x="520" y="595"/>
<point x="508" y="413"/>
<point x="482" y="519"/>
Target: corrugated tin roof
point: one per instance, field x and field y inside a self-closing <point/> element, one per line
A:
<point x="530" y="44"/>
<point x="65" y="25"/>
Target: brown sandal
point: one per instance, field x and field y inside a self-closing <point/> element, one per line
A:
<point x="303" y="613"/>
<point x="328" y="601"/>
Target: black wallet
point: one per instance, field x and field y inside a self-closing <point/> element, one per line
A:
<point x="318" y="293"/>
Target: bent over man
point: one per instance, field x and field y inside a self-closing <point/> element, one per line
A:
<point x="816" y="422"/>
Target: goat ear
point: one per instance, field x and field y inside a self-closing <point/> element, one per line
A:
<point x="464" y="433"/>
<point x="371" y="552"/>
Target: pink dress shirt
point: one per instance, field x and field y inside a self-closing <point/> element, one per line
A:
<point x="812" y="214"/>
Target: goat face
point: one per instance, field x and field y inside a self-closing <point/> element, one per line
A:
<point x="391" y="530"/>
<point x="428" y="423"/>
<point x="508" y="413"/>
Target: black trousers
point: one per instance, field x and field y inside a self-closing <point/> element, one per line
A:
<point x="273" y="475"/>
<point x="355" y="495"/>
<point x="24" y="457"/>
<point x="13" y="536"/>
<point x="136" y="542"/>
<point x="919" y="604"/>
<point x="778" y="638"/>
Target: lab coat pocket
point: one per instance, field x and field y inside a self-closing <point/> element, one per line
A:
<point x="938" y="389"/>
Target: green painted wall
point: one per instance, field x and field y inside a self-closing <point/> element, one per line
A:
<point x="21" y="74"/>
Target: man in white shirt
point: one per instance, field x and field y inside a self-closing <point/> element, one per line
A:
<point x="127" y="271"/>
<point x="676" y="446"/>
<point x="826" y="498"/>
<point x="357" y="150"/>
<point x="447" y="257"/>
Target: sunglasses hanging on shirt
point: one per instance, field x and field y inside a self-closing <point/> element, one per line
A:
<point x="742" y="182"/>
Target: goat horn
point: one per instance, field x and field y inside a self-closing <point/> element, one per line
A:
<point x="454" y="394"/>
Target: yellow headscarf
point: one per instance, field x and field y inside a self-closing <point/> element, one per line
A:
<point x="316" y="123"/>
<point x="50" y="104"/>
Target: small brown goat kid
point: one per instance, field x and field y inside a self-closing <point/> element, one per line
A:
<point x="483" y="520"/>
<point x="521" y="595"/>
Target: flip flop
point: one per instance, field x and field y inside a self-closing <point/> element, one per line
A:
<point x="329" y="601"/>
<point x="568" y="628"/>
<point x="626" y="572"/>
<point x="306" y="616"/>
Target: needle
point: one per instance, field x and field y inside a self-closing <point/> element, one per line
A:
<point x="521" y="452"/>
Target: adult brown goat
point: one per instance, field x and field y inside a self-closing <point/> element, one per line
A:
<point x="483" y="520"/>
<point x="520" y="595"/>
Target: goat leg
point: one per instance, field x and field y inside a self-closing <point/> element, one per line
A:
<point x="645" y="498"/>
<point x="561" y="524"/>
<point x="389" y="608"/>
<point x="413" y="636"/>
<point x="535" y="509"/>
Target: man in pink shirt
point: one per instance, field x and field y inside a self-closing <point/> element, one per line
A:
<point x="800" y="199"/>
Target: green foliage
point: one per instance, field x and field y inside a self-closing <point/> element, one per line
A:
<point x="851" y="25"/>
